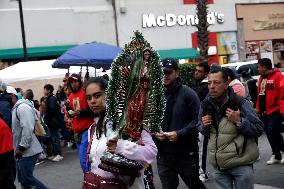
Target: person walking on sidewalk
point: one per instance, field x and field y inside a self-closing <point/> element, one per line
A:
<point x="178" y="143"/>
<point x="53" y="121"/>
<point x="268" y="107"/>
<point x="201" y="89"/>
<point x="26" y="145"/>
<point x="232" y="125"/>
<point x="77" y="109"/>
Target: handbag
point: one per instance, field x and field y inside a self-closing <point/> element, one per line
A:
<point x="39" y="130"/>
<point x="118" y="164"/>
<point x="93" y="181"/>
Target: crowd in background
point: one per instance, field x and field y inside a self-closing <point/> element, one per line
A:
<point x="65" y="117"/>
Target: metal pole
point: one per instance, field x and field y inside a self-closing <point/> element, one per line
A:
<point x="23" y="31"/>
<point x="115" y="22"/>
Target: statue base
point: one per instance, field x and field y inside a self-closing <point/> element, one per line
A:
<point x="118" y="164"/>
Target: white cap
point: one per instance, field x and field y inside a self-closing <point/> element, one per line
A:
<point x="11" y="90"/>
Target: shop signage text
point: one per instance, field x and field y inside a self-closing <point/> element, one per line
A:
<point x="272" y="23"/>
<point x="150" y="20"/>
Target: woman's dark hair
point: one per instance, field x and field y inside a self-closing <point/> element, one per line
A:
<point x="100" y="126"/>
<point x="230" y="73"/>
<point x="29" y="94"/>
<point x="49" y="88"/>
<point x="149" y="51"/>
<point x="98" y="80"/>
<point x="36" y="104"/>
<point x="42" y="99"/>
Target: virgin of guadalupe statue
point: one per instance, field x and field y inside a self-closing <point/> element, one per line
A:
<point x="135" y="98"/>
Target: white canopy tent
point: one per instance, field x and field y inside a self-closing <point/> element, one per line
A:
<point x="35" y="74"/>
<point x="38" y="70"/>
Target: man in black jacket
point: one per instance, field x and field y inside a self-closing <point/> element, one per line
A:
<point x="201" y="88"/>
<point x="178" y="143"/>
<point x="53" y="121"/>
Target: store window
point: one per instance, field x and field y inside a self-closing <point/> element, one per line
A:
<point x="194" y="1"/>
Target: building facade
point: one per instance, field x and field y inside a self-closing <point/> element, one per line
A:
<point x="166" y="24"/>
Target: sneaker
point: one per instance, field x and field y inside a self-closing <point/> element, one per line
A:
<point x="282" y="160"/>
<point x="203" y="177"/>
<point x="272" y="160"/>
<point x="57" y="158"/>
<point x="50" y="157"/>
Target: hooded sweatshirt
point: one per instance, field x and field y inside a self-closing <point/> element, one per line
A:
<point x="23" y="122"/>
<point x="272" y="96"/>
<point x="78" y="102"/>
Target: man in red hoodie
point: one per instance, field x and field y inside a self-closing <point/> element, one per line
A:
<point x="268" y="107"/>
<point x="7" y="161"/>
<point x="82" y="117"/>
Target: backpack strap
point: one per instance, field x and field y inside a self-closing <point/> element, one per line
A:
<point x="17" y="114"/>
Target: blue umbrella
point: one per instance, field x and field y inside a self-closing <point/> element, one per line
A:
<point x="98" y="55"/>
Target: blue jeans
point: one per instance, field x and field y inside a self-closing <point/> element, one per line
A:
<point x="241" y="177"/>
<point x="272" y="128"/>
<point x="82" y="149"/>
<point x="25" y="169"/>
<point x="56" y="148"/>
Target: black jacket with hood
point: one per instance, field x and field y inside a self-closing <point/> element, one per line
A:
<point x="183" y="119"/>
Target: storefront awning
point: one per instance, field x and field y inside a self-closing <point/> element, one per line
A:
<point x="188" y="53"/>
<point x="34" y="52"/>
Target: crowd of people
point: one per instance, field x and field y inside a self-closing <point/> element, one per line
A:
<point x="217" y="121"/>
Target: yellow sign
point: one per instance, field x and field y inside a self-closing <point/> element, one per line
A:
<point x="274" y="22"/>
<point x="268" y="25"/>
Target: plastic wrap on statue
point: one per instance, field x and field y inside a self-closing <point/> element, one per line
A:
<point x="135" y="101"/>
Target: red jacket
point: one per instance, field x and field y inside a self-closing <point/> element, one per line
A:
<point x="78" y="102"/>
<point x="282" y="97"/>
<point x="272" y="92"/>
<point x="6" y="138"/>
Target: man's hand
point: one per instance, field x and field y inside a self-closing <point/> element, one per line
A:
<point x="161" y="136"/>
<point x="18" y="154"/>
<point x="233" y="116"/>
<point x="172" y="136"/>
<point x="111" y="145"/>
<point x="76" y="113"/>
<point x="206" y="120"/>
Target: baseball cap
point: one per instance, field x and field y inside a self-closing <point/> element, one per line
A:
<point x="74" y="77"/>
<point x="11" y="90"/>
<point x="169" y="64"/>
<point x="3" y="86"/>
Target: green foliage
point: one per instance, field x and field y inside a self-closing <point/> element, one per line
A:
<point x="187" y="73"/>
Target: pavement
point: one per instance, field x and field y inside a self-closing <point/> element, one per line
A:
<point x="67" y="174"/>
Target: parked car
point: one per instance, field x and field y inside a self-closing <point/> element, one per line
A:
<point x="238" y="66"/>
